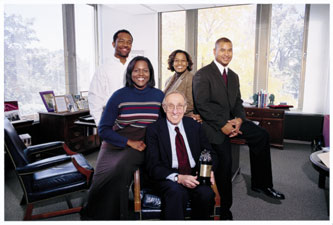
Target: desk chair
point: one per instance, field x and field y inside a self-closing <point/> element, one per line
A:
<point x="51" y="177"/>
<point x="147" y="205"/>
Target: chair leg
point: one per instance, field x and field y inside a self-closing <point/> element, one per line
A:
<point x="29" y="216"/>
<point x="30" y="206"/>
<point x="137" y="200"/>
<point x="28" y="212"/>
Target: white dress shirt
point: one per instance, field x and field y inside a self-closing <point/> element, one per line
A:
<point x="172" y="134"/>
<point x="220" y="67"/>
<point x="108" y="78"/>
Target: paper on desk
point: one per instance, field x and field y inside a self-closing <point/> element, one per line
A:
<point x="325" y="158"/>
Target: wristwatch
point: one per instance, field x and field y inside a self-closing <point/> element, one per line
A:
<point x="176" y="178"/>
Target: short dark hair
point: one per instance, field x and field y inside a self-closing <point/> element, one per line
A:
<point x="172" y="59"/>
<point x="130" y="67"/>
<point x="222" y="39"/>
<point x="115" y="36"/>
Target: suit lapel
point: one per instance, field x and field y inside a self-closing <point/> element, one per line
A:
<point x="165" y="138"/>
<point x="218" y="76"/>
<point x="190" y="135"/>
<point x="179" y="82"/>
<point x="232" y="87"/>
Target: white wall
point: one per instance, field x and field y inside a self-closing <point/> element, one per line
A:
<point x="316" y="91"/>
<point x="144" y="29"/>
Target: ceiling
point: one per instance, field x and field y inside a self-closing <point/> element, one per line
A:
<point x="136" y="9"/>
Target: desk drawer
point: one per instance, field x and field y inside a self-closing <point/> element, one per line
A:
<point x="75" y="132"/>
<point x="253" y="113"/>
<point x="273" y="114"/>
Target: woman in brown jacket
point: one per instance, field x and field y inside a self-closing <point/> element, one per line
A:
<point x="181" y="63"/>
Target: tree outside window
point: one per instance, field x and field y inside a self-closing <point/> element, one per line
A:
<point x="33" y="55"/>
<point x="286" y="52"/>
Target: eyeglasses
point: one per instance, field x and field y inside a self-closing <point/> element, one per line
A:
<point x="171" y="107"/>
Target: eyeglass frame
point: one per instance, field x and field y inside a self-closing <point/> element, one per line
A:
<point x="178" y="107"/>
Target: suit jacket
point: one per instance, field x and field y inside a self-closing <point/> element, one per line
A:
<point x="215" y="102"/>
<point x="158" y="152"/>
<point x="184" y="85"/>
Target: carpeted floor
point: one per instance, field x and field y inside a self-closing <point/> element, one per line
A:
<point x="293" y="175"/>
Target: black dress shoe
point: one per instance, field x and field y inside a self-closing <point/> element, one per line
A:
<point x="227" y="215"/>
<point x="270" y="192"/>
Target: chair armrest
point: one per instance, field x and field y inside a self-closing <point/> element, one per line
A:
<point x="86" y="172"/>
<point x="217" y="195"/>
<point x="42" y="164"/>
<point x="35" y="149"/>
<point x="217" y="201"/>
<point x="137" y="199"/>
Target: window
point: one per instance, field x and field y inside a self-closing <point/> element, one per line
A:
<point x="84" y="40"/>
<point x="214" y="23"/>
<point x="33" y="54"/>
<point x="286" y="52"/>
<point x="173" y="37"/>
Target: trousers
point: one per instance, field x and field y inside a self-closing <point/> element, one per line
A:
<point x="260" y="162"/>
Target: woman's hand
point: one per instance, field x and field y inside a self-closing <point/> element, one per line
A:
<point x="137" y="145"/>
<point x="197" y="118"/>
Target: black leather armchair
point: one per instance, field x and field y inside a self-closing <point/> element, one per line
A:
<point x="147" y="204"/>
<point x="47" y="178"/>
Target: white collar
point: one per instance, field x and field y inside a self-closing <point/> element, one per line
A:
<point x="220" y="67"/>
<point x="172" y="126"/>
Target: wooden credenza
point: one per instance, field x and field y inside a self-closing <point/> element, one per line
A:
<point x="61" y="127"/>
<point x="270" y="119"/>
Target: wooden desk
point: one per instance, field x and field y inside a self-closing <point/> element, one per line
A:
<point x="61" y="127"/>
<point x="270" y="119"/>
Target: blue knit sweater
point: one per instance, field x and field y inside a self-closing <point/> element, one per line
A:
<point x="129" y="106"/>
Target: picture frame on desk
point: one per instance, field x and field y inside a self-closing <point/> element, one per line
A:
<point x="84" y="95"/>
<point x="62" y="104"/>
<point x="72" y="106"/>
<point x="48" y="100"/>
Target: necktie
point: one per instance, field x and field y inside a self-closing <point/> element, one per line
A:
<point x="225" y="78"/>
<point x="183" y="161"/>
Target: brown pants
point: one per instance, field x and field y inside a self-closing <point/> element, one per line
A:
<point x="108" y="194"/>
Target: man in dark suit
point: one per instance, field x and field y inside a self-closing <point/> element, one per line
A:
<point x="174" y="145"/>
<point x="217" y="99"/>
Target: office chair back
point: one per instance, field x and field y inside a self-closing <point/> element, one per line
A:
<point x="14" y="145"/>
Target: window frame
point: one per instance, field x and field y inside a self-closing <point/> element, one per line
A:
<point x="262" y="45"/>
<point x="70" y="45"/>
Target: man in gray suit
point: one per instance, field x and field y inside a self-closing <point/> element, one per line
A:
<point x="217" y="99"/>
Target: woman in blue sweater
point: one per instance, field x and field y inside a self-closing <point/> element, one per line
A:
<point x="122" y="129"/>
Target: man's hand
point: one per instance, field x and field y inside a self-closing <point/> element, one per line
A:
<point x="188" y="180"/>
<point x="227" y="129"/>
<point x="232" y="127"/>
<point x="236" y="123"/>
<point x="137" y="145"/>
